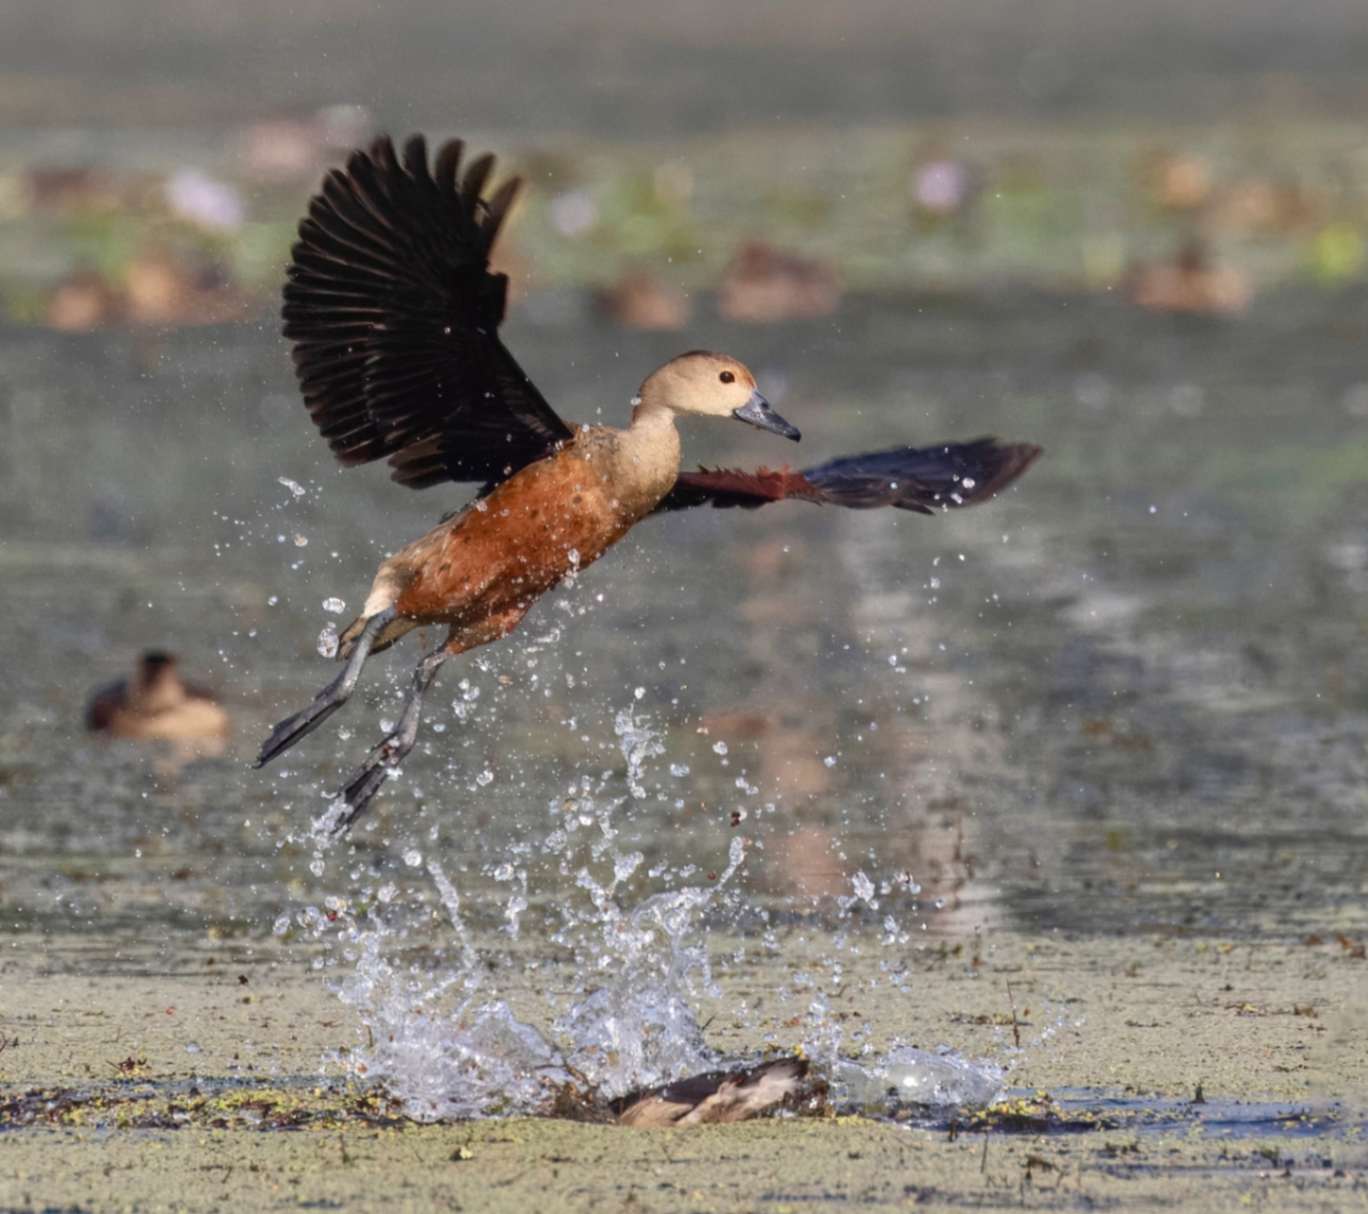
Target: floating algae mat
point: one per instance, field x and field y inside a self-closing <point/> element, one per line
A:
<point x="309" y="1106"/>
<point x="181" y="1104"/>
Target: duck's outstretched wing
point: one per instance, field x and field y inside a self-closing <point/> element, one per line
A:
<point x="394" y="317"/>
<point x="924" y="479"/>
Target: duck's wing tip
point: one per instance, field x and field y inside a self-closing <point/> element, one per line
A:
<point x="923" y="479"/>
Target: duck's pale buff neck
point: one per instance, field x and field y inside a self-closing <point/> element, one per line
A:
<point x="653" y="436"/>
<point x="648" y="453"/>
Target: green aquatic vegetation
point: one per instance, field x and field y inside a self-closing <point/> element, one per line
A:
<point x="135" y="1104"/>
<point x="257" y="253"/>
<point x="103" y="241"/>
<point x="1338" y="252"/>
<point x="1049" y="206"/>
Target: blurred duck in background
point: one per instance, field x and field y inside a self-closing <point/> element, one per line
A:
<point x="640" y="300"/>
<point x="764" y="285"/>
<point x="157" y="705"/>
<point x="1190" y="283"/>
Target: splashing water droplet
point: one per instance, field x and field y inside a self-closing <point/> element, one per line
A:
<point x="328" y="642"/>
<point x="334" y="605"/>
<point x="863" y="887"/>
<point x="625" y="866"/>
<point x="638" y="743"/>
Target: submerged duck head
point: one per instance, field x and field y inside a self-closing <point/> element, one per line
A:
<point x="714" y="385"/>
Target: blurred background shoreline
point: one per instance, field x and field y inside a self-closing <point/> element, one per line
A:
<point x="1189" y="157"/>
<point x="707" y="67"/>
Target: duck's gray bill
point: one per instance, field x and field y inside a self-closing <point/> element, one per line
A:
<point x="757" y="412"/>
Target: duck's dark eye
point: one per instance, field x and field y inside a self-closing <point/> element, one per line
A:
<point x="727" y="377"/>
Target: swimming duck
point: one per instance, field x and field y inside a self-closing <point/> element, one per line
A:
<point x="82" y="302"/>
<point x="764" y="285"/>
<point x="721" y="1096"/>
<point x="1190" y="283"/>
<point x="393" y="315"/>
<point x="155" y="704"/>
<point x="640" y="300"/>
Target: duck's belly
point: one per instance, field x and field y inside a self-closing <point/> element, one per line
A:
<point x="550" y="520"/>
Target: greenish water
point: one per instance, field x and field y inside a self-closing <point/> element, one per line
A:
<point x="1128" y="695"/>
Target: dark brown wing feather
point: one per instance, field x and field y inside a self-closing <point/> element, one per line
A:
<point x="924" y="479"/>
<point x="394" y="316"/>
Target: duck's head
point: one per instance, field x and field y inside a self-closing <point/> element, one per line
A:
<point x="157" y="684"/>
<point x="713" y="385"/>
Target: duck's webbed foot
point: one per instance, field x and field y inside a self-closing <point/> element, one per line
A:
<point x="392" y="749"/>
<point x="330" y="699"/>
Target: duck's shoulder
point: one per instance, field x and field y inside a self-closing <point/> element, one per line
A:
<point x="632" y="469"/>
<point x="593" y="444"/>
<point x="598" y="452"/>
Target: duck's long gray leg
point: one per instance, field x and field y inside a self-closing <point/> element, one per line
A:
<point x="394" y="747"/>
<point x="330" y="699"/>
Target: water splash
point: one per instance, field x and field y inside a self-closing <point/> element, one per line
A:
<point x="442" y="1061"/>
<point x="447" y="1041"/>
<point x="906" y="1075"/>
<point x="641" y="1028"/>
<point x="639" y="743"/>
